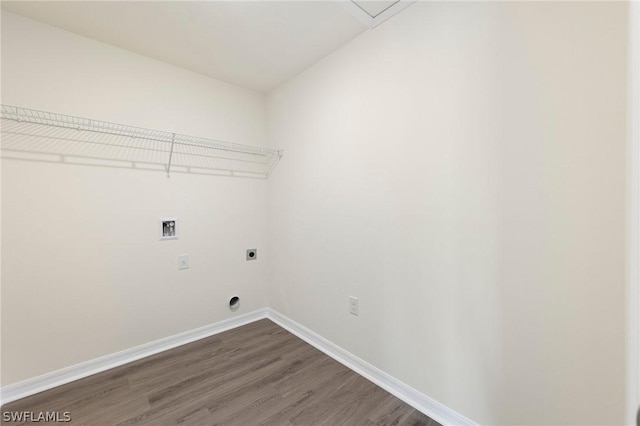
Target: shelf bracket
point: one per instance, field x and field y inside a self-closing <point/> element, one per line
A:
<point x="173" y="140"/>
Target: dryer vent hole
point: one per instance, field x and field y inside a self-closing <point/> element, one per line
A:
<point x="234" y="303"/>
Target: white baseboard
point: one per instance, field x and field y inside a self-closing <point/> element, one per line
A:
<point x="432" y="408"/>
<point x="65" y="375"/>
<point x="419" y="401"/>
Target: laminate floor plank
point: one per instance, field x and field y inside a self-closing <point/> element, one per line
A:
<point x="361" y="399"/>
<point x="257" y="374"/>
<point x="111" y="413"/>
<point x="309" y="394"/>
<point x="202" y="416"/>
<point x="262" y="396"/>
<point x="390" y="412"/>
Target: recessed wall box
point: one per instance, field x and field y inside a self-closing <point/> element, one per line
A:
<point x="168" y="228"/>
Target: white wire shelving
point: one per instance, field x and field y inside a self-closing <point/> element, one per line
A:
<point x="29" y="134"/>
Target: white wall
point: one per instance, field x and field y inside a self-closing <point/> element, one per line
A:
<point x="84" y="273"/>
<point x="633" y="218"/>
<point x="461" y="170"/>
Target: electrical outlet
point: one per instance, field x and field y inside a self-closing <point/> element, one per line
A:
<point x="354" y="306"/>
<point x="183" y="261"/>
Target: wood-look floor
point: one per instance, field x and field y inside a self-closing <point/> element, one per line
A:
<point x="258" y="374"/>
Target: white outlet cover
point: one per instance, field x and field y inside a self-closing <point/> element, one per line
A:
<point x="183" y="261"/>
<point x="354" y="306"/>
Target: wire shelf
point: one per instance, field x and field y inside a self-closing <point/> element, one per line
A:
<point x="44" y="136"/>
